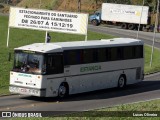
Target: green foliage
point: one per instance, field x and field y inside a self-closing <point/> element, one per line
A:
<point x="156" y="59"/>
<point x="129" y="109"/>
<point x="3" y="1"/>
<point x="56" y="4"/>
<point x="43" y="4"/>
<point x="119" y="1"/>
<point x="1" y="6"/>
<point x="134" y="2"/>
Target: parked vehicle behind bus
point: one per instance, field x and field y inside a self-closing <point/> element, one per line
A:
<point x="127" y="16"/>
<point x="64" y="68"/>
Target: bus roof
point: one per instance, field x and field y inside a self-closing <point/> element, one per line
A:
<point x="60" y="46"/>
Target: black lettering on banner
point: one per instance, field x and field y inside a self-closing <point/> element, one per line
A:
<point x="32" y="22"/>
<point x="63" y="25"/>
<point x="66" y="25"/>
<point x="47" y="23"/>
<point x="49" y="14"/>
<point x="20" y="11"/>
<point x="40" y="22"/>
<point x="24" y="21"/>
<point x="32" y="16"/>
<point x="53" y="14"/>
<point x="45" y="18"/>
<point x="36" y="22"/>
<point x="55" y="24"/>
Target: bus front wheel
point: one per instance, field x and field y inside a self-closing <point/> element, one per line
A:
<point x="122" y="81"/>
<point x="63" y="90"/>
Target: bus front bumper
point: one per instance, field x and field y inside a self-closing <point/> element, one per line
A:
<point x="27" y="91"/>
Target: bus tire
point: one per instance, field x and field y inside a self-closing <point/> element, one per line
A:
<point x="122" y="81"/>
<point x="94" y="22"/>
<point x="131" y="26"/>
<point x="124" y="26"/>
<point x="63" y="90"/>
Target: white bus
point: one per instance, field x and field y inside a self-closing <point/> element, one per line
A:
<point x="63" y="68"/>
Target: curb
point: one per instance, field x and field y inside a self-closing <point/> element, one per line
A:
<point x="151" y="73"/>
<point x="4" y="95"/>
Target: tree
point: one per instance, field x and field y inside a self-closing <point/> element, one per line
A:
<point x="96" y="2"/>
<point x="79" y="5"/>
<point x="119" y="1"/>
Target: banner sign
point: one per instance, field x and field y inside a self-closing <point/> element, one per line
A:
<point x="66" y="22"/>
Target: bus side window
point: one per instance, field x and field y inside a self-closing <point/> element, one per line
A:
<point x="114" y="54"/>
<point x="139" y="51"/>
<point x="54" y="64"/>
<point x="101" y="55"/>
<point x="79" y="56"/>
<point x="72" y="57"/>
<point x="108" y="54"/>
<point x="88" y="56"/>
<point x="128" y="52"/>
<point x="120" y="55"/>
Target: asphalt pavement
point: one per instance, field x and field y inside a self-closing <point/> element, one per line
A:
<point x="147" y="37"/>
<point x="148" y="89"/>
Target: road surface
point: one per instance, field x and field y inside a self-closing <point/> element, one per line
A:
<point x="147" y="90"/>
<point x="146" y="36"/>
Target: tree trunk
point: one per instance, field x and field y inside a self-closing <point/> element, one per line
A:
<point x="79" y="5"/>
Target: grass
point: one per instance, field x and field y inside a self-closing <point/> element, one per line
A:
<point x="156" y="60"/>
<point x="126" y="111"/>
<point x="19" y="37"/>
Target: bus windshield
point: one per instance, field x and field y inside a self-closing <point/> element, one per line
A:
<point x="28" y="63"/>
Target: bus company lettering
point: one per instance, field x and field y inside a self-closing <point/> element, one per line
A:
<point x="24" y="75"/>
<point x="90" y="68"/>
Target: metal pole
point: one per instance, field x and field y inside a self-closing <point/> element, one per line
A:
<point x="86" y="37"/>
<point x="8" y="36"/>
<point x="140" y="21"/>
<point x="46" y="37"/>
<point x="155" y="28"/>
